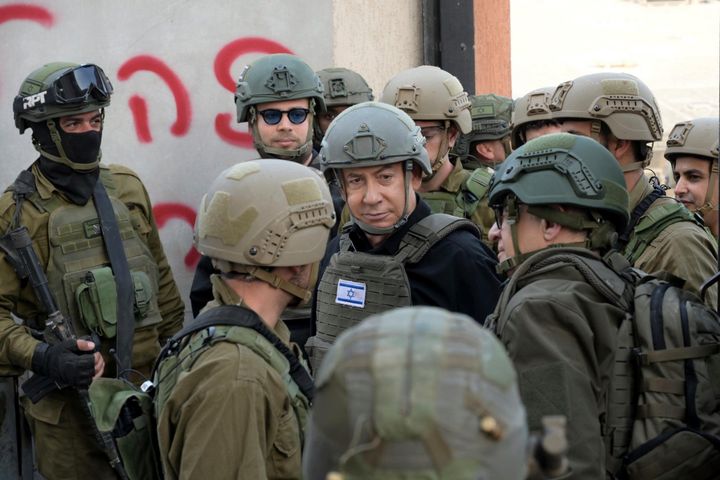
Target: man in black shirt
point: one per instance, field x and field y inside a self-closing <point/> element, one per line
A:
<point x="395" y="253"/>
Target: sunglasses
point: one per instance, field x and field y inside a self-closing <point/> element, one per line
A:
<point x="272" y="116"/>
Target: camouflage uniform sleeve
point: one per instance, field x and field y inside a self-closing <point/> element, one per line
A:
<point x="687" y="251"/>
<point x="133" y="193"/>
<point x="222" y="419"/>
<point x="553" y="349"/>
<point x="16" y="344"/>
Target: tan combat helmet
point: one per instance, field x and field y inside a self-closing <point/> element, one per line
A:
<point x="265" y="213"/>
<point x="417" y="392"/>
<point x="430" y="93"/>
<point x="531" y="108"/>
<point x="619" y="100"/>
<point x="697" y="138"/>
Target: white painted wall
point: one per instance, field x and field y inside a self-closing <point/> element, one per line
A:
<point x="186" y="38"/>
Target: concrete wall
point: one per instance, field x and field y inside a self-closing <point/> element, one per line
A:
<point x="377" y="38"/>
<point x="174" y="66"/>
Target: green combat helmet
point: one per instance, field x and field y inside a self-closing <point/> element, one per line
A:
<point x="430" y="93"/>
<point x="491" y="117"/>
<point x="532" y="109"/>
<point x="265" y="213"/>
<point x="342" y="88"/>
<point x="562" y="169"/>
<point x="372" y="134"/>
<point x="417" y="392"/>
<point x="275" y="78"/>
<point x="697" y="138"/>
<point x="620" y="101"/>
<point x="57" y="90"/>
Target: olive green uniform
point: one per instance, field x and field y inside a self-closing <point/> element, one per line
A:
<point x="448" y="199"/>
<point x="561" y="335"/>
<point x="229" y="414"/>
<point x="64" y="442"/>
<point x="683" y="249"/>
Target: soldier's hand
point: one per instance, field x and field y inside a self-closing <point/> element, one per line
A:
<point x="69" y="362"/>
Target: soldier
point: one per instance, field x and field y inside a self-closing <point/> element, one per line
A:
<point x="343" y="88"/>
<point x="559" y="200"/>
<point x="395" y="253"/>
<point x="435" y="100"/>
<point x="278" y="96"/>
<point x="69" y="202"/>
<point x="619" y="111"/>
<point x="532" y="118"/>
<point x="487" y="144"/>
<point x="416" y="392"/>
<point x="231" y="395"/>
<point x="692" y="149"/>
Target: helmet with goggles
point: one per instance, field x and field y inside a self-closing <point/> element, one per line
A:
<point x="59" y="89"/>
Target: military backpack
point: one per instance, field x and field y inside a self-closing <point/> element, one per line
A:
<point x="130" y="414"/>
<point x="663" y="418"/>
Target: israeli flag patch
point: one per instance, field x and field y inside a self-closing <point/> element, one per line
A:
<point x="350" y="293"/>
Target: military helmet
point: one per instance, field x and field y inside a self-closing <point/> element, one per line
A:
<point x="274" y="78"/>
<point x="534" y="106"/>
<point x="696" y="138"/>
<point x="370" y="134"/>
<point x="59" y="89"/>
<point x="343" y="86"/>
<point x="417" y="392"/>
<point x="491" y="115"/>
<point x="621" y="101"/>
<point x="266" y="213"/>
<point x="429" y="93"/>
<point x="564" y="169"/>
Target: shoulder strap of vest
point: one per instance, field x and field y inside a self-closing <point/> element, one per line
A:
<point x="427" y="232"/>
<point x="237" y="316"/>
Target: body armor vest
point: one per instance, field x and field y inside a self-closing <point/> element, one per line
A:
<point x="356" y="285"/>
<point x="78" y="270"/>
<point x="465" y="201"/>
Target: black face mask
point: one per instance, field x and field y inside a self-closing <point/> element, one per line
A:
<point x="76" y="185"/>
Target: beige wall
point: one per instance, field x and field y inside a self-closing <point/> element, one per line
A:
<point x="375" y="40"/>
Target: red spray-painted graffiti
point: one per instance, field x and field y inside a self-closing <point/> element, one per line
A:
<point x="138" y="106"/>
<point x="223" y="62"/>
<point x="168" y="211"/>
<point x="26" y="11"/>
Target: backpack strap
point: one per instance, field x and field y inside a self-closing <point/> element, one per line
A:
<point x="638" y="212"/>
<point x="237" y="316"/>
<point x="427" y="232"/>
<point x="644" y="227"/>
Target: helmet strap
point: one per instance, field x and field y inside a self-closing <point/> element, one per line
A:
<point x="407" y="185"/>
<point x="294" y="154"/>
<point x="708" y="205"/>
<point x="274" y="280"/>
<point x="442" y="154"/>
<point x="63" y="158"/>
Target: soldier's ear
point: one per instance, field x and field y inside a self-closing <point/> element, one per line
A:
<point x="550" y="230"/>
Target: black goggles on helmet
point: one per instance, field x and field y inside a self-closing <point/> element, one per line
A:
<point x="80" y="83"/>
<point x="272" y="116"/>
<point x="74" y="87"/>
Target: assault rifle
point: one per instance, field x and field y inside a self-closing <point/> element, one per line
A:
<point x="38" y="386"/>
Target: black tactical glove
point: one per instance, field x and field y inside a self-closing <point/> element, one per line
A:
<point x="65" y="363"/>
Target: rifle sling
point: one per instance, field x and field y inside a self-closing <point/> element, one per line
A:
<point x="123" y="281"/>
